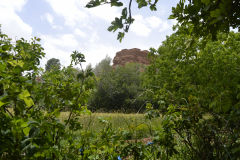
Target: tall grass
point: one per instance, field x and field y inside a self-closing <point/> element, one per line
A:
<point x="136" y="124"/>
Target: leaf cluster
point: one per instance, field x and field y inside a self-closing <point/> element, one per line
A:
<point x="208" y="17"/>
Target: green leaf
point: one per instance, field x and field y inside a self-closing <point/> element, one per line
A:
<point x="23" y="124"/>
<point x="5" y="47"/>
<point x="1" y="103"/>
<point x="28" y="101"/>
<point x="124" y="13"/>
<point x="93" y="3"/>
<point x="24" y="94"/>
<point x="15" y="63"/>
<point x="153" y="7"/>
<point x="149" y="106"/>
<point x="26" y="131"/>
<point x="120" y="36"/>
<point x="116" y="3"/>
<point x="141" y="3"/>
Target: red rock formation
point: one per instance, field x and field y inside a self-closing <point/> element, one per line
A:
<point x="130" y="55"/>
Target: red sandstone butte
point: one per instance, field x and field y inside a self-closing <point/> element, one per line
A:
<point x="134" y="55"/>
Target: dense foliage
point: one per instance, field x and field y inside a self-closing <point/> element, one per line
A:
<point x="119" y="88"/>
<point x="31" y="103"/>
<point x="208" y="17"/>
<point x="196" y="84"/>
<point x="193" y="82"/>
<point x="103" y="67"/>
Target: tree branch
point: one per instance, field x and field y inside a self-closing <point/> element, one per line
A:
<point x="130" y="13"/>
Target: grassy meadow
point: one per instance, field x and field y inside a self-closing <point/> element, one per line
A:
<point x="136" y="124"/>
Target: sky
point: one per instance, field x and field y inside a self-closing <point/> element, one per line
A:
<point x="66" y="25"/>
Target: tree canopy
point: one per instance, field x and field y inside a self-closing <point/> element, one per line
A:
<point x="208" y="17"/>
<point x="196" y="88"/>
<point x="53" y="63"/>
<point x="103" y="67"/>
<point x="119" y="88"/>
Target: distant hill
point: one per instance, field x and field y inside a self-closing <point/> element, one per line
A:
<point x="130" y="55"/>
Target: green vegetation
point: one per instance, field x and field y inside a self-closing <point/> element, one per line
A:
<point x="191" y="91"/>
<point x="137" y="125"/>
<point x="33" y="129"/>
<point x="191" y="78"/>
<point x="53" y="63"/>
<point x="118" y="89"/>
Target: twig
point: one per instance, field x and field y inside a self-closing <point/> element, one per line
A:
<point x="6" y="110"/>
<point x="130" y="14"/>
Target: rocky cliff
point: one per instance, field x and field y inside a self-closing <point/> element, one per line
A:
<point x="130" y="55"/>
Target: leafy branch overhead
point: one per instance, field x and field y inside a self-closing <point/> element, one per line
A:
<point x="123" y="22"/>
<point x="207" y="17"/>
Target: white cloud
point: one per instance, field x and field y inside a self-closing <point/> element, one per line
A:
<point x="104" y="12"/>
<point x="79" y="33"/>
<point x="75" y="13"/>
<point x="49" y="18"/>
<point x="94" y="37"/>
<point x="60" y="47"/>
<point x="153" y="21"/>
<point x="164" y="26"/>
<point x="96" y="52"/>
<point x="64" y="41"/>
<point x="53" y="51"/>
<point x="11" y="23"/>
<point x="139" y="26"/>
<point x="16" y="5"/>
<point x="69" y="10"/>
<point x="144" y="26"/>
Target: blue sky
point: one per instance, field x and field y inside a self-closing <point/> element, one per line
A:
<point x="66" y="25"/>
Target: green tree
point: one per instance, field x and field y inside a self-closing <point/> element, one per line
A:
<point x="118" y="89"/>
<point x="53" y="63"/>
<point x="196" y="86"/>
<point x="103" y="67"/>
